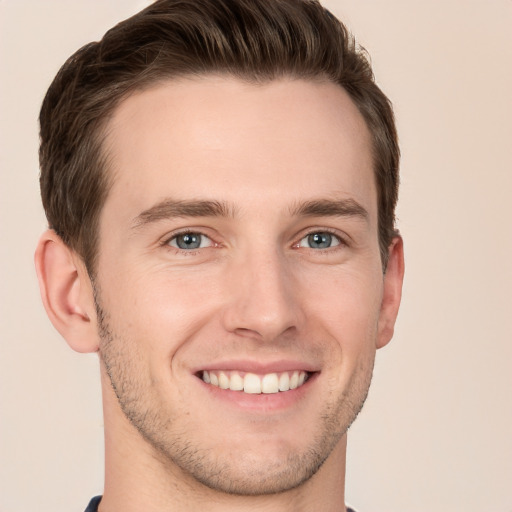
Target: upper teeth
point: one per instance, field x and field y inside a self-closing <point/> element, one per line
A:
<point x="255" y="384"/>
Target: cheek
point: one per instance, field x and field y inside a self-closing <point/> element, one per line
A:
<point x="348" y="301"/>
<point x="346" y="311"/>
<point x="158" y="308"/>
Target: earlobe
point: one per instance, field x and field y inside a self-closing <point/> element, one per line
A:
<point x="66" y="292"/>
<point x="392" y="292"/>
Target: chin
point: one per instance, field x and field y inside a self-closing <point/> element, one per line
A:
<point x="250" y="473"/>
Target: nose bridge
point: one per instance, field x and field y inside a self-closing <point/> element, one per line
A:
<point x="263" y="302"/>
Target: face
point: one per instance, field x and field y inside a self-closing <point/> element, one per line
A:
<point x="239" y="283"/>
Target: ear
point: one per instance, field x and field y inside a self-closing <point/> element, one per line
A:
<point x="66" y="292"/>
<point x="392" y="292"/>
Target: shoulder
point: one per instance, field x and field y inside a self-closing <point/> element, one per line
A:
<point x="93" y="504"/>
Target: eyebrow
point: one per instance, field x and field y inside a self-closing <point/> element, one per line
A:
<point x="170" y="208"/>
<point x="330" y="208"/>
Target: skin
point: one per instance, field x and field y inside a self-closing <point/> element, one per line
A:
<point x="255" y="295"/>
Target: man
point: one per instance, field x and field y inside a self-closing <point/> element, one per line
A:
<point x="220" y="178"/>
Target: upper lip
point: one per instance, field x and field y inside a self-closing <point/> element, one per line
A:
<point x="259" y="367"/>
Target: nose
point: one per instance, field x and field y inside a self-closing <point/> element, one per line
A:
<point x="263" y="302"/>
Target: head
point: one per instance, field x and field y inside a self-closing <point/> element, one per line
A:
<point x="256" y="41"/>
<point x="221" y="177"/>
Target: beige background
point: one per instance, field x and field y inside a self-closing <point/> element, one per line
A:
<point x="436" y="433"/>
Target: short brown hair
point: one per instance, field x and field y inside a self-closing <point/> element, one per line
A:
<point x="255" y="40"/>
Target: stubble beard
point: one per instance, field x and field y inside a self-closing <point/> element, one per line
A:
<point x="250" y="476"/>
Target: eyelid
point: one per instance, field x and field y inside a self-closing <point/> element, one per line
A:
<point x="201" y="246"/>
<point x="167" y="239"/>
<point x="341" y="238"/>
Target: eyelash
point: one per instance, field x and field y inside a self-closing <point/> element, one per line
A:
<point x="166" y="243"/>
<point x="341" y="241"/>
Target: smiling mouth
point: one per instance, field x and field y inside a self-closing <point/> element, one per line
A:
<point x="253" y="383"/>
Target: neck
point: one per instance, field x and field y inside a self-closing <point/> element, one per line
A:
<point x="136" y="478"/>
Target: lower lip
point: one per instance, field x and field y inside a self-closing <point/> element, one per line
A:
<point x="262" y="402"/>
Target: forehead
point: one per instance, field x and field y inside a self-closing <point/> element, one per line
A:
<point x="225" y="139"/>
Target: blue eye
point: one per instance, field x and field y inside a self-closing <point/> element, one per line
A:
<point x="190" y="241"/>
<point x="319" y="240"/>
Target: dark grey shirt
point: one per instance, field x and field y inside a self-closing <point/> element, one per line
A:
<point x="93" y="505"/>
